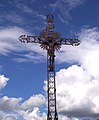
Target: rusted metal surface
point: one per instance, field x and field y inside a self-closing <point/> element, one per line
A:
<point x="50" y="41"/>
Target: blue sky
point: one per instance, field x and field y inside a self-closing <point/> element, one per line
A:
<point x="23" y="66"/>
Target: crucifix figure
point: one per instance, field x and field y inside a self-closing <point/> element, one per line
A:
<point x="50" y="41"/>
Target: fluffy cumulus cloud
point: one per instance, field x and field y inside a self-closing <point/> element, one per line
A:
<point x="36" y="100"/>
<point x="7" y="116"/>
<point x="6" y="103"/>
<point x="29" y="110"/>
<point x="13" y="108"/>
<point x="74" y="85"/>
<point x="78" y="85"/>
<point x="33" y="114"/>
<point x="3" y="81"/>
<point x="9" y="103"/>
<point x="2" y="115"/>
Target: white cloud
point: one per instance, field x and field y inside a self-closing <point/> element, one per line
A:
<point x="3" y="81"/>
<point x="2" y="115"/>
<point x="34" y="101"/>
<point x="12" y="108"/>
<point x="78" y="86"/>
<point x="37" y="56"/>
<point x="73" y="91"/>
<point x="63" y="117"/>
<point x="9" y="103"/>
<point x="28" y="110"/>
<point x="14" y="104"/>
<point x="7" y="116"/>
<point x="86" y="54"/>
<point x="9" y="43"/>
<point x="33" y="114"/>
<point x="10" y="117"/>
<point x="9" y="40"/>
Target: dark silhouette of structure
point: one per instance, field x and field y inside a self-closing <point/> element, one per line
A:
<point x="50" y="41"/>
